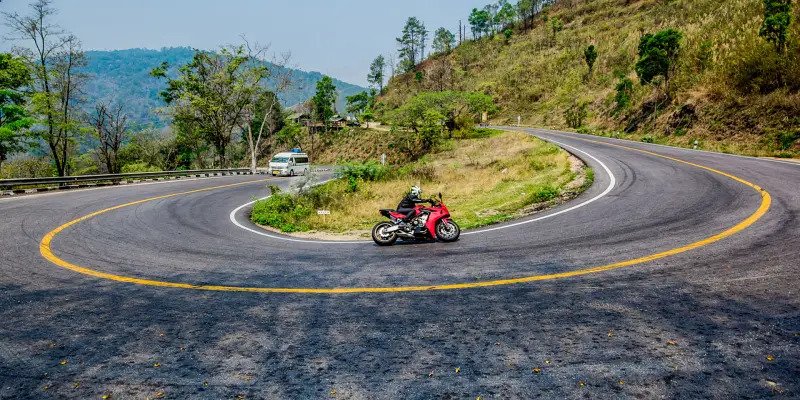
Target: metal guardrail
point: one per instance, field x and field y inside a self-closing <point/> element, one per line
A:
<point x="67" y="182"/>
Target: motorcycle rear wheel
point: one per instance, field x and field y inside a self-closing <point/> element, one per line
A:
<point x="448" y="231"/>
<point x="382" y="238"/>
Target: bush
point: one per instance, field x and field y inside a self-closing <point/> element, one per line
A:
<point x="354" y="173"/>
<point x="787" y="139"/>
<point x="369" y="171"/>
<point x="26" y="168"/>
<point x="139" y="167"/>
<point x="542" y="194"/>
<point x="282" y="211"/>
<point x="576" y="114"/>
<point x="624" y="90"/>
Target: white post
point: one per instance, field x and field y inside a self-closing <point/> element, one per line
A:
<point x="383" y="159"/>
<point x="519" y="120"/>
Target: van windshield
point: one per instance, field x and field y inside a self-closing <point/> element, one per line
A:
<point x="280" y="160"/>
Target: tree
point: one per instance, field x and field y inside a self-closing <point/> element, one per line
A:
<point x="54" y="61"/>
<point x="361" y="104"/>
<point x="324" y="101"/>
<point x="658" y="54"/>
<point x="777" y="18"/>
<point x="376" y="72"/>
<point x="110" y="130"/>
<point x="459" y="110"/>
<point x="443" y="41"/>
<point x="480" y="22"/>
<point x="491" y="13"/>
<point x="412" y="44"/>
<point x="527" y="9"/>
<point x="590" y="56"/>
<point x="506" y="14"/>
<point x="263" y="116"/>
<point x="14" y="118"/>
<point x="212" y="93"/>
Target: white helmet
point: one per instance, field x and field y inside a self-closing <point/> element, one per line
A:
<point x="416" y="191"/>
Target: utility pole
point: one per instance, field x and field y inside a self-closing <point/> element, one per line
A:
<point x="460" y="36"/>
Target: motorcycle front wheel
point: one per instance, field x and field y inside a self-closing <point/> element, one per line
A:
<point x="448" y="231"/>
<point x="381" y="237"/>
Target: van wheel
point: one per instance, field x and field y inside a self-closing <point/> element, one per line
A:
<point x="291" y="172"/>
<point x="305" y="172"/>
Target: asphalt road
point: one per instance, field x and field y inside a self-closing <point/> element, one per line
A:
<point x="157" y="312"/>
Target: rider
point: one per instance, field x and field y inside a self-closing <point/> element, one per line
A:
<point x="408" y="205"/>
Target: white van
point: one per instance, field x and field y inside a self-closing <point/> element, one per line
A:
<point x="289" y="164"/>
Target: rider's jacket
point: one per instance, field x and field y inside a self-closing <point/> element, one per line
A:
<point x="410" y="201"/>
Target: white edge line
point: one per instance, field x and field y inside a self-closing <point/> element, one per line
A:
<point x="288" y="239"/>
<point x="611" y="185"/>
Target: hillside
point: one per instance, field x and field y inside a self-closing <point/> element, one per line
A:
<point x="124" y="76"/>
<point x="730" y="90"/>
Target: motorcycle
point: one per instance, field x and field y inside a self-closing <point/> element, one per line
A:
<point x="430" y="223"/>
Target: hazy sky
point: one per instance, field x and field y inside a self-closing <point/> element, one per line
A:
<point x="339" y="38"/>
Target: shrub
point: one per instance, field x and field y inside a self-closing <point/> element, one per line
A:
<point x="787" y="139"/>
<point x="624" y="90"/>
<point x="777" y="18"/>
<point x="139" y="167"/>
<point x="368" y="171"/>
<point x="657" y="55"/>
<point x="542" y="194"/>
<point x="576" y="114"/>
<point x="354" y="173"/>
<point x="282" y="211"/>
<point x="26" y="168"/>
<point x="648" y="139"/>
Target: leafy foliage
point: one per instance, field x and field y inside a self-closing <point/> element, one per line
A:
<point x="624" y="90"/>
<point x="658" y="54"/>
<point x="777" y="18"/>
<point x="576" y="114"/>
<point x="211" y="93"/>
<point x="14" y="118"/>
<point x="376" y="72"/>
<point x="443" y="41"/>
<point x="412" y="44"/>
<point x="590" y="56"/>
<point x="324" y="101"/>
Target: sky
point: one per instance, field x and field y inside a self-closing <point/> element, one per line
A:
<point x="338" y="38"/>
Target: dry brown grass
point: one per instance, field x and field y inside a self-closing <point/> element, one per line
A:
<point x="483" y="181"/>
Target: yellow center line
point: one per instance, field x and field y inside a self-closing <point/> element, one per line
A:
<point x="47" y="253"/>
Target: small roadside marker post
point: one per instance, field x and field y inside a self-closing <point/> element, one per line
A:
<point x="383" y="159"/>
<point x="519" y="120"/>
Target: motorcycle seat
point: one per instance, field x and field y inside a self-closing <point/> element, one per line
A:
<point x="388" y="210"/>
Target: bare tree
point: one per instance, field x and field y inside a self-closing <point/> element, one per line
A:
<point x="264" y="102"/>
<point x="110" y="129"/>
<point x="54" y="58"/>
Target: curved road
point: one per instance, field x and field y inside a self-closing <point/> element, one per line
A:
<point x="675" y="275"/>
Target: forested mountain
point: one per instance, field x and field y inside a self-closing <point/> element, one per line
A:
<point x="124" y="76"/>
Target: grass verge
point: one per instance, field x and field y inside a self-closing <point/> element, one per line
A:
<point x="495" y="178"/>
